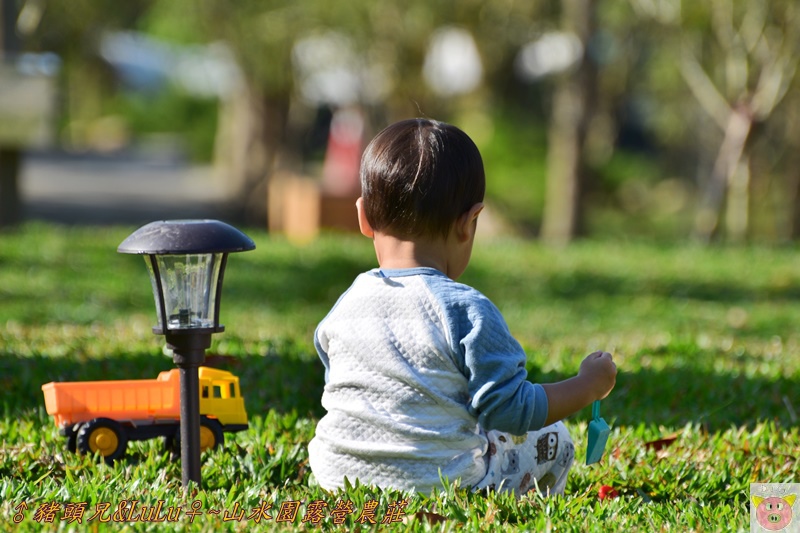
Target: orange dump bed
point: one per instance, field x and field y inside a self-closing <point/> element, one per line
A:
<point x="73" y="402"/>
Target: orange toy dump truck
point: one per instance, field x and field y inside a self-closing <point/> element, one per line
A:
<point x="102" y="416"/>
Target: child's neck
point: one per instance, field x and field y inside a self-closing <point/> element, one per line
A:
<point x="395" y="252"/>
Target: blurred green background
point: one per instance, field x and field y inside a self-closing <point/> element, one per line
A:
<point x="654" y="118"/>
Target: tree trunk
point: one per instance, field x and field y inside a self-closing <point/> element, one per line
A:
<point x="737" y="205"/>
<point x="573" y="104"/>
<point x="740" y="123"/>
<point x="794" y="204"/>
<point x="562" y="200"/>
<point x="10" y="156"/>
<point x="251" y="135"/>
<point x="10" y="204"/>
<point x="791" y="193"/>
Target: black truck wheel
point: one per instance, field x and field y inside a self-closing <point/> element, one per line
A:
<point x="104" y="436"/>
<point x="71" y="433"/>
<point x="211" y="434"/>
<point x="172" y="444"/>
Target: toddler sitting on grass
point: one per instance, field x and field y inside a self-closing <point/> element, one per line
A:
<point x="424" y="383"/>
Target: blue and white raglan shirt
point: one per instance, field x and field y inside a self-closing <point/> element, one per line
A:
<point x="418" y="368"/>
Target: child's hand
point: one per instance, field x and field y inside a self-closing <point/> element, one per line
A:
<point x="600" y="372"/>
<point x="596" y="377"/>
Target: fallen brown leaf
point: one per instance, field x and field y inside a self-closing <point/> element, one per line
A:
<point x="663" y="442"/>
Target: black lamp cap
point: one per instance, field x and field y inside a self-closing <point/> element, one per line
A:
<point x="174" y="237"/>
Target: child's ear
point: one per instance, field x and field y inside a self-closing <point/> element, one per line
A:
<point x="466" y="223"/>
<point x="363" y="223"/>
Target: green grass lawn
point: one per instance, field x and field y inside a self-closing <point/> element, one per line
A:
<point x="706" y="401"/>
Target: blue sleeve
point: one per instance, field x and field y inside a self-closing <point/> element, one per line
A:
<point x="501" y="397"/>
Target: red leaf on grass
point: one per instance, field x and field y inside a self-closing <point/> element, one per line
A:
<point x="607" y="491"/>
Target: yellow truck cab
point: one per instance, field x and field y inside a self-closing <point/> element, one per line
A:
<point x="220" y="396"/>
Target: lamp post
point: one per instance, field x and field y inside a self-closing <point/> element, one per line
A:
<point x="186" y="260"/>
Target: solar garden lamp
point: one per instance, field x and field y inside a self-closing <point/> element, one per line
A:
<point x="186" y="260"/>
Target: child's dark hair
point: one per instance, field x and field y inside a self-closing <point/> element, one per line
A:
<point x="418" y="176"/>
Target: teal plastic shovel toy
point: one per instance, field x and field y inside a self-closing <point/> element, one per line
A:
<point x="598" y="435"/>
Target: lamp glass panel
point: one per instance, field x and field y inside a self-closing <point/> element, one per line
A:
<point x="189" y="282"/>
<point x="149" y="262"/>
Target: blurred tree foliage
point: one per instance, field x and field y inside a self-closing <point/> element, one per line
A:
<point x="73" y="31"/>
<point x="718" y="78"/>
<point x="255" y="133"/>
<point x="689" y="121"/>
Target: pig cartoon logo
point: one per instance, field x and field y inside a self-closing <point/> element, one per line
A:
<point x="774" y="513"/>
